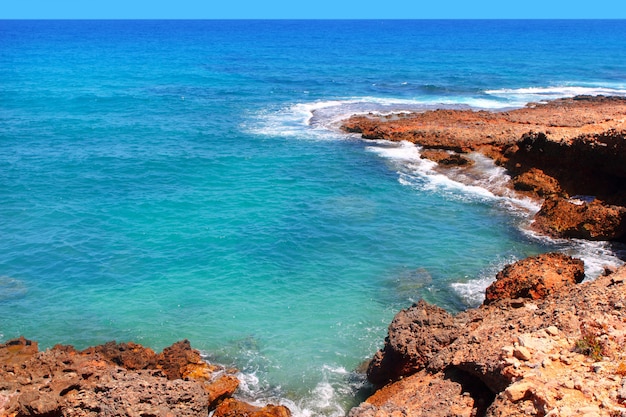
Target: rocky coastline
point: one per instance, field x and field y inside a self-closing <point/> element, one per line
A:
<point x="118" y="379"/>
<point x="543" y="343"/>
<point x="568" y="153"/>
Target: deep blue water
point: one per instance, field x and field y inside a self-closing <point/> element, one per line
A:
<point x="162" y="180"/>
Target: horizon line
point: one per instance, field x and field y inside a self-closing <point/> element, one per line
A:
<point x="313" y="18"/>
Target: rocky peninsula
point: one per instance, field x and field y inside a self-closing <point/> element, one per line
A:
<point x="543" y="343"/>
<point x="569" y="153"/>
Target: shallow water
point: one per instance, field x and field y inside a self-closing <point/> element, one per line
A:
<point x="163" y="180"/>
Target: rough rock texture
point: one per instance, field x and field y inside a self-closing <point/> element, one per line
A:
<point x="589" y="164"/>
<point x="415" y="335"/>
<point x="594" y="220"/>
<point x="124" y="379"/>
<point x="536" y="277"/>
<point x="557" y="150"/>
<point x="446" y="158"/>
<point x="422" y="394"/>
<point x="558" y="356"/>
<point x="466" y="130"/>
<point x="536" y="182"/>
<point x="233" y="408"/>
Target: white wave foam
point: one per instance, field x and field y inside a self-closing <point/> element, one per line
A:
<point x="472" y="291"/>
<point x="521" y="96"/>
<point x="320" y="119"/>
<point x="597" y="256"/>
<point x="330" y="397"/>
<point x="484" y="181"/>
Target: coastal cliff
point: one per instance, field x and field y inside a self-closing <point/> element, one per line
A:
<point x="556" y="151"/>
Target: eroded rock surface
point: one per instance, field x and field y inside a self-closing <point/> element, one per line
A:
<point x="565" y="218"/>
<point x="415" y="336"/>
<point x="562" y="355"/>
<point x="558" y="151"/>
<point x="115" y="379"/>
<point x="536" y="277"/>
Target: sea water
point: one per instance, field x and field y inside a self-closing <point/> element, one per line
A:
<point x="162" y="180"/>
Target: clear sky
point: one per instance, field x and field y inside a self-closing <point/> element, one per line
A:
<point x="311" y="9"/>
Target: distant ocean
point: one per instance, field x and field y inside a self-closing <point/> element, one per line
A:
<point x="162" y="180"/>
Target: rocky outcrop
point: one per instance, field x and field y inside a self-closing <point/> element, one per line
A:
<point x="571" y="218"/>
<point x="554" y="151"/>
<point x="561" y="355"/>
<point x="588" y="164"/>
<point x="536" y="277"/>
<point x="415" y="336"/>
<point x="424" y="394"/>
<point x="234" y="408"/>
<point x="446" y="158"/>
<point x="467" y="130"/>
<point x="536" y="182"/>
<point x="124" y="379"/>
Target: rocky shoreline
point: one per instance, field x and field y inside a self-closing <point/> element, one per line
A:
<point x="543" y="342"/>
<point x="118" y="379"/>
<point x="556" y="353"/>
<point x="555" y="152"/>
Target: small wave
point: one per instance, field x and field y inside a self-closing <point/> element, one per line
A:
<point x="472" y="291"/>
<point x="597" y="256"/>
<point x="331" y="397"/>
<point x="321" y="119"/>
<point x="484" y="181"/>
<point x="522" y="96"/>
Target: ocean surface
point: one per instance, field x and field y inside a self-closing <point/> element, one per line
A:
<point x="162" y="180"/>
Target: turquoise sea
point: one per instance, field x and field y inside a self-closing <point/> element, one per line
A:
<point x="162" y="180"/>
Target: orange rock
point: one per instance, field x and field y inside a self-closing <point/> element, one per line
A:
<point x="536" y="182"/>
<point x="234" y="408"/>
<point x="220" y="389"/>
<point x="16" y="351"/>
<point x="535" y="277"/>
<point x="181" y="361"/>
<point x="566" y="147"/>
<point x="593" y="221"/>
<point x="127" y="355"/>
<point x="463" y="130"/>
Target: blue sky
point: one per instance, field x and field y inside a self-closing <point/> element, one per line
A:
<point x="311" y="9"/>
